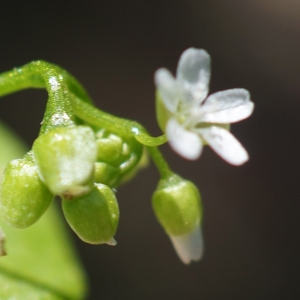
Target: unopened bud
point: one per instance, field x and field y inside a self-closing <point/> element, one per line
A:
<point x="94" y="217"/>
<point x="110" y="147"/>
<point x="23" y="196"/>
<point x="118" y="158"/>
<point x="65" y="159"/>
<point x="106" y="174"/>
<point x="176" y="203"/>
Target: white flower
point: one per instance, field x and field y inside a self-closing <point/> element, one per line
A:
<point x="191" y="119"/>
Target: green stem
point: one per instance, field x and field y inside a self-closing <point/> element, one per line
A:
<point x="117" y="125"/>
<point x="58" y="83"/>
<point x="35" y="75"/>
<point x="160" y="162"/>
<point x="66" y="97"/>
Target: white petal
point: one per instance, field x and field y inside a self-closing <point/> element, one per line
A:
<point x="224" y="144"/>
<point x="111" y="242"/>
<point x="189" y="247"/>
<point x="227" y="106"/>
<point x="193" y="74"/>
<point x="168" y="89"/>
<point x="186" y="143"/>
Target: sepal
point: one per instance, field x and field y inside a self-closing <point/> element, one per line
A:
<point x="176" y="203"/>
<point x="94" y="217"/>
<point x="65" y="159"/>
<point x="110" y="148"/>
<point x="162" y="113"/>
<point x="118" y="158"/>
<point x="23" y="196"/>
<point x="106" y="174"/>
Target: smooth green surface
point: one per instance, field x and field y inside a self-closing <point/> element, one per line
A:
<point x="40" y="257"/>
<point x="94" y="217"/>
<point x="22" y="289"/>
<point x="109" y="147"/>
<point x="23" y="196"/>
<point x="176" y="203"/>
<point x="106" y="174"/>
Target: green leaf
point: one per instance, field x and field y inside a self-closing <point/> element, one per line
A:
<point x="40" y="262"/>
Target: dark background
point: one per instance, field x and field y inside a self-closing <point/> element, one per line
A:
<point x="251" y="224"/>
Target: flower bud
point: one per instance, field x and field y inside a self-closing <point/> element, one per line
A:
<point x="118" y="158"/>
<point x="106" y="174"/>
<point x="94" y="217"/>
<point x="110" y="148"/>
<point x="23" y="197"/>
<point x="176" y="203"/>
<point x="65" y="158"/>
<point x="143" y="161"/>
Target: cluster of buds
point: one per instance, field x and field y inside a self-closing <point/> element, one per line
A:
<point x="83" y="154"/>
<point x="69" y="162"/>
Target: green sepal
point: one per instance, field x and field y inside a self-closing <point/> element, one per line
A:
<point x="106" y="174"/>
<point x="23" y="196"/>
<point x="162" y="113"/>
<point x="94" y="217"/>
<point x="110" y="147"/>
<point x="65" y="158"/>
<point x="119" y="158"/>
<point x="142" y="163"/>
<point x="176" y="203"/>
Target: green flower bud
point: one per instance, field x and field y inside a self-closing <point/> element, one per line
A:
<point x="23" y="197"/>
<point x="119" y="159"/>
<point x="94" y="217"/>
<point x="176" y="203"/>
<point x="142" y="163"/>
<point x="110" y="147"/>
<point x="65" y="158"/>
<point x="106" y="174"/>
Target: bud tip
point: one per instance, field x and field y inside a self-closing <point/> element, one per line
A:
<point x="111" y="242"/>
<point x="189" y="247"/>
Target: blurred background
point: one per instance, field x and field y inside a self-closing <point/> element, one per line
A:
<point x="252" y="223"/>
